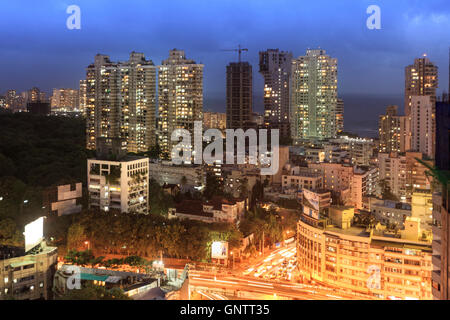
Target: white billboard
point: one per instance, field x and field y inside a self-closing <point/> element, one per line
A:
<point x="219" y="250"/>
<point x="34" y="233"/>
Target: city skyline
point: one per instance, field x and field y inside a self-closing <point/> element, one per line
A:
<point x="369" y="59"/>
<point x="226" y="150"/>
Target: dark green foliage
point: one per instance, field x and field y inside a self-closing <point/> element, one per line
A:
<point x="37" y="152"/>
<point x="148" y="235"/>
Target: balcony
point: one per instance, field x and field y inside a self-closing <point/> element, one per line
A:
<point x="436" y="260"/>
<point x="436" y="276"/>
<point x="436" y="232"/>
<point x="436" y="245"/>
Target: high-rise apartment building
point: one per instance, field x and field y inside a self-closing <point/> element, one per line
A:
<point x="239" y="96"/>
<point x="275" y="67"/>
<point x="313" y="96"/>
<point x="121" y="101"/>
<point x="422" y="124"/>
<point x="443" y="135"/>
<point x="340" y="116"/>
<point x="82" y="96"/>
<point x="393" y="131"/>
<point x="180" y="96"/>
<point x="421" y="79"/>
<point x="441" y="205"/>
<point x="34" y="95"/>
<point x="65" y="100"/>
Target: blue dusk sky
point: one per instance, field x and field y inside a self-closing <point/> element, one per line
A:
<point x="37" y="49"/>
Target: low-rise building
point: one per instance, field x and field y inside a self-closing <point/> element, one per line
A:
<point x="364" y="183"/>
<point x="217" y="209"/>
<point x="422" y="207"/>
<point x="119" y="185"/>
<point x="27" y="276"/>
<point x="392" y="170"/>
<point x="389" y="212"/>
<point x="188" y="177"/>
<point x="302" y="178"/>
<point x="362" y="258"/>
<point x="71" y="277"/>
<point x="337" y="176"/>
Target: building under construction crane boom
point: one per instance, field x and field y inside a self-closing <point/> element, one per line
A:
<point x="239" y="50"/>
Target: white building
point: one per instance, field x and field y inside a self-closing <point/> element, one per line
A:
<point x="393" y="171"/>
<point x="422" y="125"/>
<point x="120" y="185"/>
<point x="364" y="183"/>
<point x="187" y="177"/>
<point x="215" y="210"/>
<point x="313" y="96"/>
<point x="121" y="101"/>
<point x="180" y="96"/>
<point x="360" y="149"/>
<point x="302" y="178"/>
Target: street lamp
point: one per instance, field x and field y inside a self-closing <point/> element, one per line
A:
<point x="232" y="259"/>
<point x="86" y="243"/>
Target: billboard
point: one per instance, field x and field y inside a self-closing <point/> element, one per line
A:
<point x="219" y="250"/>
<point x="311" y="199"/>
<point x="34" y="233"/>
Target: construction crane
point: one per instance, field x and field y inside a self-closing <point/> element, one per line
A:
<point x="239" y="50"/>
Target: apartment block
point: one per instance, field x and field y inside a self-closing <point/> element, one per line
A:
<point x="275" y="67"/>
<point x="313" y="96"/>
<point x="180" y="97"/>
<point x="121" y="101"/>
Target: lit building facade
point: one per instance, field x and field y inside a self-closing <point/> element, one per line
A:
<point x="421" y="79"/>
<point x="393" y="131"/>
<point x="302" y="178"/>
<point x="275" y="67"/>
<point x="340" y="116"/>
<point x="313" y="96"/>
<point x="422" y="116"/>
<point x="27" y="276"/>
<point x="364" y="183"/>
<point x="361" y="260"/>
<point x="119" y="185"/>
<point x="65" y="100"/>
<point x="121" y="101"/>
<point x="180" y="97"/>
<point x="82" y="96"/>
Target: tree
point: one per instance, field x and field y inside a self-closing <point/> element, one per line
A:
<point x="213" y="186"/>
<point x="76" y="236"/>
<point x="10" y="234"/>
<point x="183" y="182"/>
